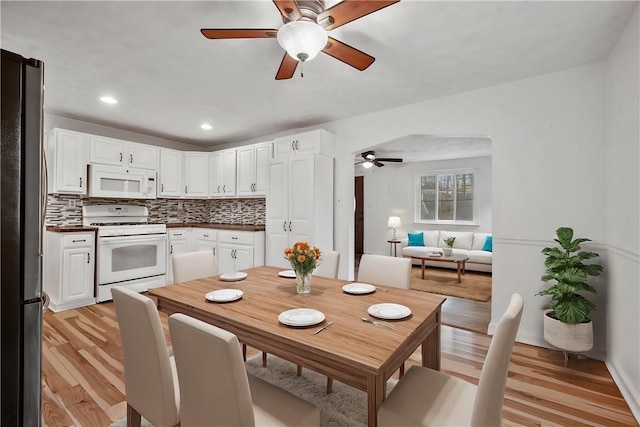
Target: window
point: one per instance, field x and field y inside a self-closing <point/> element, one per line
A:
<point x="445" y="197"/>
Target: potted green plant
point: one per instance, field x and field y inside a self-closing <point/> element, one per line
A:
<point x="567" y="325"/>
<point x="449" y="242"/>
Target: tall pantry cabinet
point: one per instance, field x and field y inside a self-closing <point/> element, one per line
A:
<point x="299" y="200"/>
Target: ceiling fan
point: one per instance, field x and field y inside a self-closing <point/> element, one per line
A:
<point x="304" y="33"/>
<point x="369" y="159"/>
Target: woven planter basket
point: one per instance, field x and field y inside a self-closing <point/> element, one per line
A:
<point x="572" y="338"/>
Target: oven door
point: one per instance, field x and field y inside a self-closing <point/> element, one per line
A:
<point x="122" y="258"/>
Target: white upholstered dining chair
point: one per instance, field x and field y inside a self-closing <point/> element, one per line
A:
<point x="194" y="265"/>
<point x="150" y="379"/>
<point x="385" y="270"/>
<point x="328" y="265"/>
<point x="426" y="397"/>
<point x="217" y="391"/>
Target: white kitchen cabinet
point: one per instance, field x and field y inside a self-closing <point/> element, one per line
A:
<point x="67" y="162"/>
<point x="180" y="241"/>
<point x="222" y="173"/>
<point x="205" y="238"/>
<point x="315" y="141"/>
<point x="196" y="175"/>
<point x="69" y="269"/>
<point x="253" y="169"/>
<point x="239" y="250"/>
<point x="170" y="173"/>
<point x="116" y="152"/>
<point x="299" y="205"/>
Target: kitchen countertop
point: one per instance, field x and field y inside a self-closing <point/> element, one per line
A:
<point x="234" y="227"/>
<point x="70" y="228"/>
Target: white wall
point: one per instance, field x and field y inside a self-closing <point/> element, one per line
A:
<point x="391" y="190"/>
<point x="622" y="95"/>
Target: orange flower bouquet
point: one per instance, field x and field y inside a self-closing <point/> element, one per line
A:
<point x="303" y="259"/>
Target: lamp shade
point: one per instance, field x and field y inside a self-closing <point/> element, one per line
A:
<point x="302" y="40"/>
<point x="394" y="222"/>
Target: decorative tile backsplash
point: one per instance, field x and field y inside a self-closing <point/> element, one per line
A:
<point x="66" y="209"/>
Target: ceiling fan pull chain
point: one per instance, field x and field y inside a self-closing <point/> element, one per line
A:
<point x="301" y="69"/>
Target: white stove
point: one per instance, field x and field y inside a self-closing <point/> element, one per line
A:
<point x="131" y="251"/>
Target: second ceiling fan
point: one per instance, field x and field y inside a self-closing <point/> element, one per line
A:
<point x="369" y="159"/>
<point x="304" y="33"/>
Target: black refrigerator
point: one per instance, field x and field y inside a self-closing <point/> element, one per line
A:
<point x="21" y="219"/>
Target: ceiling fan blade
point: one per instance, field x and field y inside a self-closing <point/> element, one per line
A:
<point x="389" y="159"/>
<point x="347" y="54"/>
<point x="288" y="9"/>
<point x="350" y="10"/>
<point x="287" y="67"/>
<point x="239" y="33"/>
<point x="378" y="164"/>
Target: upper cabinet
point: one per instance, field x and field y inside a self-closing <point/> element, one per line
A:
<point x="116" y="152"/>
<point x="67" y="162"/>
<point x="316" y="141"/>
<point x="222" y="173"/>
<point x="170" y="173"/>
<point x="253" y="169"/>
<point x="196" y="175"/>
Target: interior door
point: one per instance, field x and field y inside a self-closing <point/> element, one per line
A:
<point x="359" y="215"/>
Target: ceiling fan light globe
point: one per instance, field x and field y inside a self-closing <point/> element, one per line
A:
<point x="302" y="40"/>
<point x="367" y="164"/>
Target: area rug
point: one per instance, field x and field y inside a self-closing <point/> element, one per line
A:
<point x="345" y="407"/>
<point x="475" y="285"/>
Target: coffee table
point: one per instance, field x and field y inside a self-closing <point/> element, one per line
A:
<point x="460" y="261"/>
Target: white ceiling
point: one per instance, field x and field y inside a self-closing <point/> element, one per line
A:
<point x="169" y="78"/>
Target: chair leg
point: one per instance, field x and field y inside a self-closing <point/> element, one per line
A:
<point x="264" y="359"/>
<point x="401" y="371"/>
<point x="244" y="352"/>
<point x="329" y="385"/>
<point x="299" y="373"/>
<point x="133" y="417"/>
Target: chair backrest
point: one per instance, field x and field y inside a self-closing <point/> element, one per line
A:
<point x="385" y="270"/>
<point x="209" y="362"/>
<point x="328" y="265"/>
<point x="194" y="265"/>
<point x="148" y="375"/>
<point x="487" y="407"/>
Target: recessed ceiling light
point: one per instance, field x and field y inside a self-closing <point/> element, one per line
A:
<point x="108" y="100"/>
<point x="206" y="126"/>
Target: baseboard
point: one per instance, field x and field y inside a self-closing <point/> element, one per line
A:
<point x="629" y="397"/>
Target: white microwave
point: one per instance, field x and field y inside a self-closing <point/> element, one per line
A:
<point x="121" y="183"/>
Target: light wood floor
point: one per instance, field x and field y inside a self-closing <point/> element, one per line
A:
<point x="83" y="376"/>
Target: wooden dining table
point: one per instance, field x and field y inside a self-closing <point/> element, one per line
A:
<point x="352" y="351"/>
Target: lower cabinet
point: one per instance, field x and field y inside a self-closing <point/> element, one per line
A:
<point x="234" y="250"/>
<point x="69" y="269"/>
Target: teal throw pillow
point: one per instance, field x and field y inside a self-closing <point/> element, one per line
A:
<point x="416" y="239"/>
<point x="488" y="244"/>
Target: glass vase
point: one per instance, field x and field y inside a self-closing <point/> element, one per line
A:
<point x="303" y="283"/>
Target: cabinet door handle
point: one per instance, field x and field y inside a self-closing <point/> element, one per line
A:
<point x="178" y="234"/>
<point x="289" y="225"/>
<point x="214" y="251"/>
<point x="205" y="235"/>
<point x="161" y="188"/>
<point x="284" y="226"/>
<point x="218" y="189"/>
<point x="79" y="240"/>
<point x="120" y="157"/>
<point x="88" y="257"/>
<point x="297" y="145"/>
<point x="130" y="158"/>
<point x="170" y="249"/>
<point x="293" y="145"/>
<point x="185" y="190"/>
<point x="234" y="238"/>
<point x="80" y="182"/>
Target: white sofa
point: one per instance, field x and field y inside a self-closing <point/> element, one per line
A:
<point x="467" y="243"/>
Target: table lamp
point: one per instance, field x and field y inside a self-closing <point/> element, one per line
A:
<point x="394" y="222"/>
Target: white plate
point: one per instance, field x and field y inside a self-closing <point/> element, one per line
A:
<point x="389" y="311"/>
<point x="289" y="274"/>
<point x="358" y="288"/>
<point x="233" y="277"/>
<point x="224" y="295"/>
<point x="301" y="317"/>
